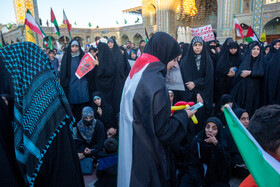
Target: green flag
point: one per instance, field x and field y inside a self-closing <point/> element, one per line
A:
<point x="50" y="42"/>
<point x="89" y="24"/>
<point x="125" y="21"/>
<point x="263" y="167"/>
<point x="1" y="46"/>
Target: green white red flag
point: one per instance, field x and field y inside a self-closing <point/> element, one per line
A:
<point x="263" y="167"/>
<point x="66" y="21"/>
<point x="33" y="25"/>
<point x="239" y="31"/>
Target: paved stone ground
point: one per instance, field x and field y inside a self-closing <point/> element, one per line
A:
<point x="90" y="179"/>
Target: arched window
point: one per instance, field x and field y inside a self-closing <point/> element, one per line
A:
<point x="88" y="39"/>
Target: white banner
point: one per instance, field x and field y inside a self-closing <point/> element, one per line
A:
<point x="205" y="32"/>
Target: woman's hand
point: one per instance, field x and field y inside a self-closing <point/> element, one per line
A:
<point x="245" y="73"/>
<point x="211" y="140"/>
<point x="190" y="85"/>
<point x="199" y="98"/>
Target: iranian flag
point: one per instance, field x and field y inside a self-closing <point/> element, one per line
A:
<point x="263" y="167"/>
<point x="46" y="44"/>
<point x="239" y="31"/>
<point x="33" y="25"/>
<point x="53" y="20"/>
<point x="251" y="35"/>
<point x="65" y="21"/>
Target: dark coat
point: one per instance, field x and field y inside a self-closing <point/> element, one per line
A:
<point x="65" y="72"/>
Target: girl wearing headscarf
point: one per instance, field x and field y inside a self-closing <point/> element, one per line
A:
<point x="209" y="160"/>
<point x="103" y="111"/>
<point x="219" y="109"/>
<point x="266" y="50"/>
<point x="225" y="47"/>
<point x="90" y="135"/>
<point x="42" y="119"/>
<point x="78" y="91"/>
<point x="197" y="73"/>
<point x="272" y="81"/>
<point x="226" y="69"/>
<point x="275" y="45"/>
<point x="146" y="128"/>
<point x="247" y="83"/>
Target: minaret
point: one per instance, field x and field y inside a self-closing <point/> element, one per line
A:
<point x="20" y="11"/>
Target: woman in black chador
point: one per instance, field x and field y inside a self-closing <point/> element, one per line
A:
<point x="106" y="76"/>
<point x="120" y="61"/>
<point x="247" y="83"/>
<point x="209" y="160"/>
<point x="197" y="72"/>
<point x="272" y="81"/>
<point x="226" y="69"/>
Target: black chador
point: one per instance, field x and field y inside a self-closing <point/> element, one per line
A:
<point x="272" y="80"/>
<point x="247" y="90"/>
<point x="225" y="71"/>
<point x="198" y="68"/>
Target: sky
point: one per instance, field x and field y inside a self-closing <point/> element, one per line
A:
<point x="104" y="13"/>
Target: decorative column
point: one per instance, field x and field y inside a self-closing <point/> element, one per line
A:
<point x="257" y="18"/>
<point x="225" y="19"/>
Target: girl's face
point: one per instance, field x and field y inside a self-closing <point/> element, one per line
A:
<point x="111" y="45"/>
<point x="74" y="48"/>
<point x="133" y="55"/>
<point x="211" y="129"/>
<point x="197" y="48"/>
<point x="97" y="101"/>
<point x="245" y="119"/>
<point x="233" y="51"/>
<point x="267" y="50"/>
<point x="256" y="51"/>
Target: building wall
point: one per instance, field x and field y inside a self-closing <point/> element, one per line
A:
<point x="160" y="15"/>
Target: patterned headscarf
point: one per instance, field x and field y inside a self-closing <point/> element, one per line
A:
<point x="87" y="130"/>
<point x="40" y="106"/>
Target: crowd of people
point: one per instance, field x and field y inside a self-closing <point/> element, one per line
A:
<point x="119" y="113"/>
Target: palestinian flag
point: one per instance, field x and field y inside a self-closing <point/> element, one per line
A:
<point x="66" y="21"/>
<point x="239" y="31"/>
<point x="33" y="25"/>
<point x="146" y="35"/>
<point x="53" y="20"/>
<point x="264" y="168"/>
<point x="251" y="35"/>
